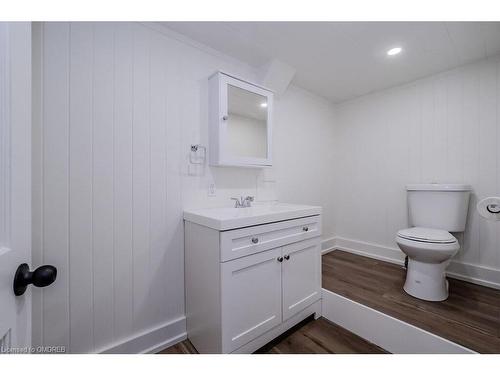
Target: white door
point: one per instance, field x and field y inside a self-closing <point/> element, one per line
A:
<point x="301" y="276"/>
<point x="15" y="182"/>
<point x="251" y="297"/>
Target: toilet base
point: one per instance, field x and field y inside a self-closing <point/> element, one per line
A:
<point x="426" y="281"/>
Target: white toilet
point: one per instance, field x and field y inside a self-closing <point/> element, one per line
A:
<point x="434" y="210"/>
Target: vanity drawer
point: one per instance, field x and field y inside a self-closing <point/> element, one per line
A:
<point x="246" y="241"/>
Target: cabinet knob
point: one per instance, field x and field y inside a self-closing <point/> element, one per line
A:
<point x="287" y="257"/>
<point x="305" y="229"/>
<point x="225" y="118"/>
<point x="279" y="259"/>
<point x="255" y="240"/>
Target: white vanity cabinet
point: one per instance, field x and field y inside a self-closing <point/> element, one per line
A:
<point x="245" y="286"/>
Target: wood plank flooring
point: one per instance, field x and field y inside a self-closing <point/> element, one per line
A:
<point x="309" y="337"/>
<point x="319" y="337"/>
<point x="470" y="316"/>
<point x="183" y="347"/>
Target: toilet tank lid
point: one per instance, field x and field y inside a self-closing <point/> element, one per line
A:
<point x="438" y="187"/>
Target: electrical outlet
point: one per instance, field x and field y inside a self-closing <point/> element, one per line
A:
<point x="212" y="190"/>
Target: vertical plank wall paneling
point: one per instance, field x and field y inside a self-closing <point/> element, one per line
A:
<point x="141" y="176"/>
<point x="101" y="201"/>
<point x="443" y="128"/>
<point x="469" y="119"/>
<point x="55" y="199"/>
<point x="157" y="176"/>
<point x="103" y="182"/>
<point x="80" y="182"/>
<point x="123" y="177"/>
<point x="488" y="150"/>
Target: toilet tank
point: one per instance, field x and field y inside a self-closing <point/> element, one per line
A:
<point x="438" y="206"/>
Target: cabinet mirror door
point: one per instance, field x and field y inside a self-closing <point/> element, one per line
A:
<point x="247" y="123"/>
<point x="241" y="122"/>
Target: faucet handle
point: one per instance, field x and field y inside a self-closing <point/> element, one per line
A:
<point x="247" y="201"/>
<point x="242" y="202"/>
<point x="237" y="202"/>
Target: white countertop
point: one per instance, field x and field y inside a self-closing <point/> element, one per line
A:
<point x="225" y="218"/>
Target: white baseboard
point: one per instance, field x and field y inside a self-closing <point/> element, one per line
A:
<point x="151" y="341"/>
<point x="383" y="330"/>
<point x="472" y="273"/>
<point x="371" y="250"/>
<point x="328" y="244"/>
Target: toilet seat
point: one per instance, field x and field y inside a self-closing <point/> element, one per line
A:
<point x="428" y="235"/>
<point x="431" y="251"/>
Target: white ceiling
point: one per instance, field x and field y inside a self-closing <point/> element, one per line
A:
<point x="343" y="60"/>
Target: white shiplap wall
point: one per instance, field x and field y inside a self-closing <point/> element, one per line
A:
<point x="116" y="107"/>
<point x="444" y="128"/>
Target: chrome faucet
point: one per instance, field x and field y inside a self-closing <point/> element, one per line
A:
<point x="243" y="202"/>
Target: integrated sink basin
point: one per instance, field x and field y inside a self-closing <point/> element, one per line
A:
<point x="227" y="218"/>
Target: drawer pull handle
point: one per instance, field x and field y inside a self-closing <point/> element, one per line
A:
<point x="305" y="229"/>
<point x="287" y="257"/>
<point x="255" y="240"/>
<point x="279" y="259"/>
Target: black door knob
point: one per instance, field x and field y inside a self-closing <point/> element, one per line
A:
<point x="41" y="277"/>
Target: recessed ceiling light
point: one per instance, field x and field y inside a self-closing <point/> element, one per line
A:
<point x="394" y="51"/>
<point x="263" y="105"/>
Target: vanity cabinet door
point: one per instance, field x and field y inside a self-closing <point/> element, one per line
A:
<point x="301" y="276"/>
<point x="251" y="297"/>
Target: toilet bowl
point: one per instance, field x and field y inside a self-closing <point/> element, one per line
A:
<point x="429" y="252"/>
<point x="434" y="210"/>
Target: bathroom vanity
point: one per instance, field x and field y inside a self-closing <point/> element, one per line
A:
<point x="251" y="274"/>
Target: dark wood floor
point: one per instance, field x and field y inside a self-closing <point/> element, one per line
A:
<point x="183" y="347"/>
<point x="310" y="337"/>
<point x="470" y="316"/>
<point x="320" y="337"/>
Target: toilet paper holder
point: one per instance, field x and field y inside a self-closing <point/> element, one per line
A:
<point x="489" y="208"/>
<point x="493" y="208"/>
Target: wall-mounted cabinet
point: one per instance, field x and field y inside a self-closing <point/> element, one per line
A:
<point x="240" y="120"/>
